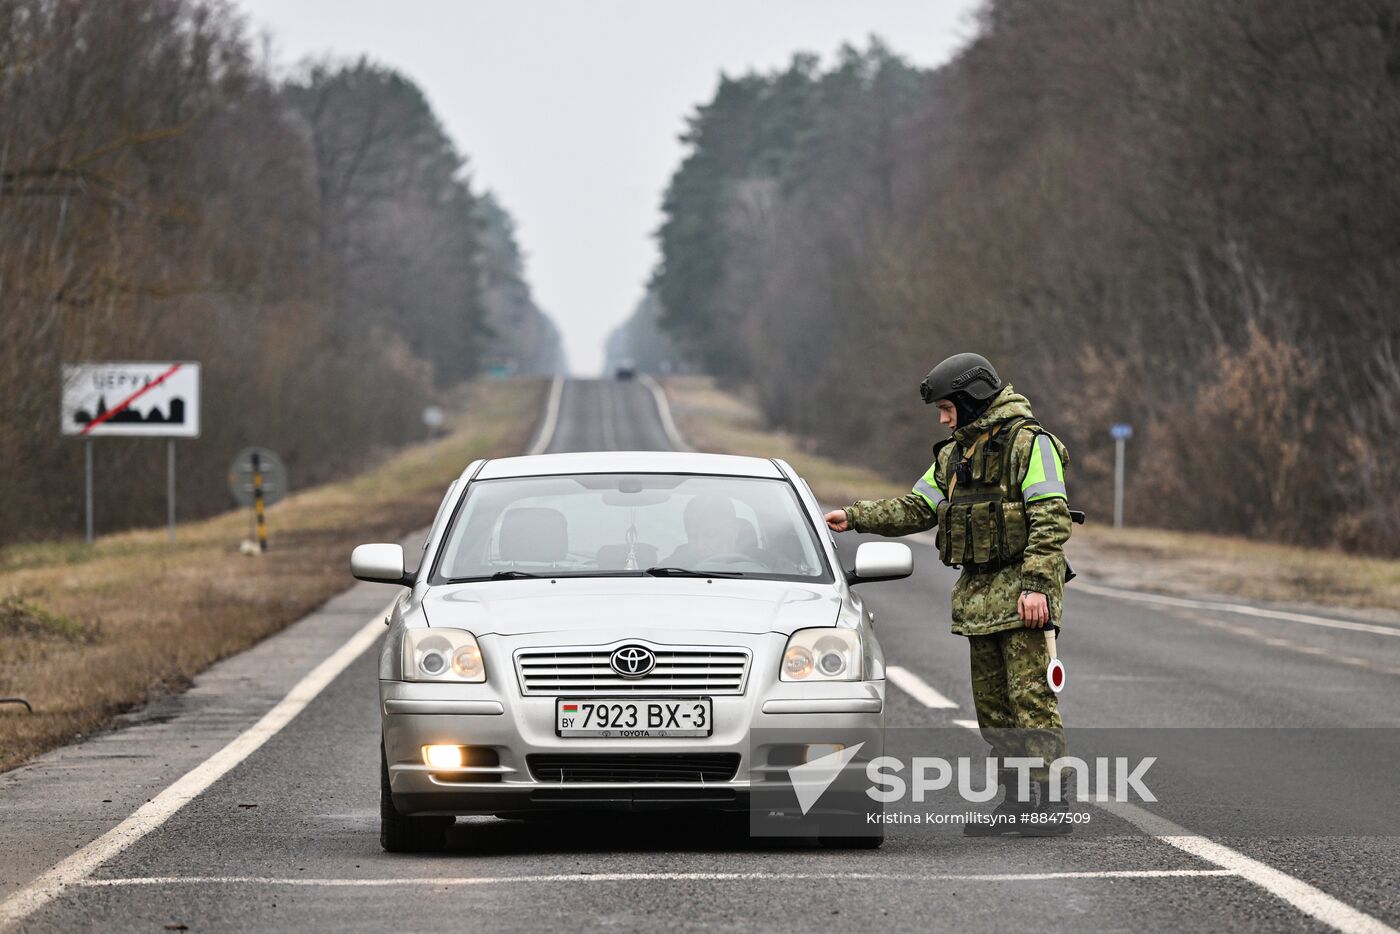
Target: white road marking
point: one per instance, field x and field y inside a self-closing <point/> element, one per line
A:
<point x="658" y="877"/>
<point x="663" y="408"/>
<point x="1241" y="609"/>
<point x="1306" y="898"/>
<point x="551" y="417"/>
<point x="75" y="869"/>
<point x="967" y="724"/>
<point x="917" y="688"/>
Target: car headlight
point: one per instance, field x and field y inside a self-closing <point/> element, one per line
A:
<point x="822" y="655"/>
<point x="442" y="655"/>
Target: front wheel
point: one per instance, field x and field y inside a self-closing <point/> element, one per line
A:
<point x="402" y="834"/>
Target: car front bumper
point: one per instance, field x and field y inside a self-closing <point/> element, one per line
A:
<point x="786" y="715"/>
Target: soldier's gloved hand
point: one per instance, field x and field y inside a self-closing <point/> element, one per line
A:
<point x="836" y="520"/>
<point x="1034" y="609"/>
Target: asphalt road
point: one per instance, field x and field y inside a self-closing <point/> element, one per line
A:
<point x="1275" y="733"/>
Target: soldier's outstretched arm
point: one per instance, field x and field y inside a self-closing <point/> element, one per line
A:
<point x="899" y="515"/>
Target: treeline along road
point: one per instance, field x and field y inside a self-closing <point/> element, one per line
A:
<point x="1180" y="214"/>
<point x="311" y="241"/>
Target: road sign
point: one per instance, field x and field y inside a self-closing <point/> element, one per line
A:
<point x="131" y="400"/>
<point x="240" y="477"/>
<point x="433" y="417"/>
<point x="1121" y="431"/>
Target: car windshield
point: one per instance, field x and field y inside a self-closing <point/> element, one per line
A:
<point x="628" y="525"/>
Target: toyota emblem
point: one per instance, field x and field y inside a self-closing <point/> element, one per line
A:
<point x="632" y="661"/>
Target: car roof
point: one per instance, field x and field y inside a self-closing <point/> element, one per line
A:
<point x="540" y="465"/>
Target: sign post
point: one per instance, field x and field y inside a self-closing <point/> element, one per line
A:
<point x="170" y="485"/>
<point x="87" y="488"/>
<point x="1121" y="433"/>
<point x="131" y="400"/>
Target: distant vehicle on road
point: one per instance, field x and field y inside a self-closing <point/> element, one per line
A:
<point x="626" y="370"/>
<point x="607" y="629"/>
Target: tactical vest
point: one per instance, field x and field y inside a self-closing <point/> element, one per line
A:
<point x="983" y="526"/>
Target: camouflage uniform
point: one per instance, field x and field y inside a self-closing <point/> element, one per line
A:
<point x="1017" y="711"/>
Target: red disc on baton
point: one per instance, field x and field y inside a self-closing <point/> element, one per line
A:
<point x="1055" y="675"/>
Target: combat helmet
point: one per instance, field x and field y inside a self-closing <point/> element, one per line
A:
<point x="967" y="380"/>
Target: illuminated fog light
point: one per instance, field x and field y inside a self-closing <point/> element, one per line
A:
<point x="443" y="757"/>
<point x="821" y="750"/>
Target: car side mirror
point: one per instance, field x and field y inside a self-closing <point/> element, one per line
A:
<point x="379" y="563"/>
<point x="881" y="561"/>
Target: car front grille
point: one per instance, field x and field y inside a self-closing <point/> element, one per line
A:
<point x="570" y="768"/>
<point x="677" y="671"/>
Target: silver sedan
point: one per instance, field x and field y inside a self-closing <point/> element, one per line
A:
<point x="624" y="630"/>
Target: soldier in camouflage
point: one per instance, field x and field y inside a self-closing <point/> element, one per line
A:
<point x="996" y="494"/>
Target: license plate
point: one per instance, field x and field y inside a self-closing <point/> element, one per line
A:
<point x="632" y="717"/>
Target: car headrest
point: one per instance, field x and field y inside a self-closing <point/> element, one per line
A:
<point x="534" y="533"/>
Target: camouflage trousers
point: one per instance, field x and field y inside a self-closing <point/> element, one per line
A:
<point x="1016" y="710"/>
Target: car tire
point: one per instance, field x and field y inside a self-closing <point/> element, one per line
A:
<point x="401" y="834"/>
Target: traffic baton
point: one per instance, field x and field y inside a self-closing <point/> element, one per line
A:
<point x="1055" y="671"/>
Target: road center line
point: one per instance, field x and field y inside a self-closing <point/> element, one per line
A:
<point x="75" y="869"/>
<point x="656" y="877"/>
<point x="918" y="688"/>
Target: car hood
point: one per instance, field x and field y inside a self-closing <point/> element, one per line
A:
<point x="572" y="604"/>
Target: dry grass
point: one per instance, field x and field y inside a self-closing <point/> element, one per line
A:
<point x="1196" y="562"/>
<point x="86" y="632"/>
<point x="1138" y="558"/>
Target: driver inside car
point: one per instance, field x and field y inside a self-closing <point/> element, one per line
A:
<point x="712" y="529"/>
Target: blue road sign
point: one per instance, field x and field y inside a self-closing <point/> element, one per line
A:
<point x="1121" y="431"/>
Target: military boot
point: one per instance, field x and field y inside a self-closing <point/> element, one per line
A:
<point x="1004" y="819"/>
<point x="1047" y="818"/>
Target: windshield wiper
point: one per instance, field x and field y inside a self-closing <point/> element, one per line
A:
<point x="687" y="572"/>
<point x="511" y="575"/>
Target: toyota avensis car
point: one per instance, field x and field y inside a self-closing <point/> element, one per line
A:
<point x="612" y="630"/>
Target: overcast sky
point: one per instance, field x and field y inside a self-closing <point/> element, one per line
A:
<point x="569" y="109"/>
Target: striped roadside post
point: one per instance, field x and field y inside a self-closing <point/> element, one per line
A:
<point x="259" y="507"/>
